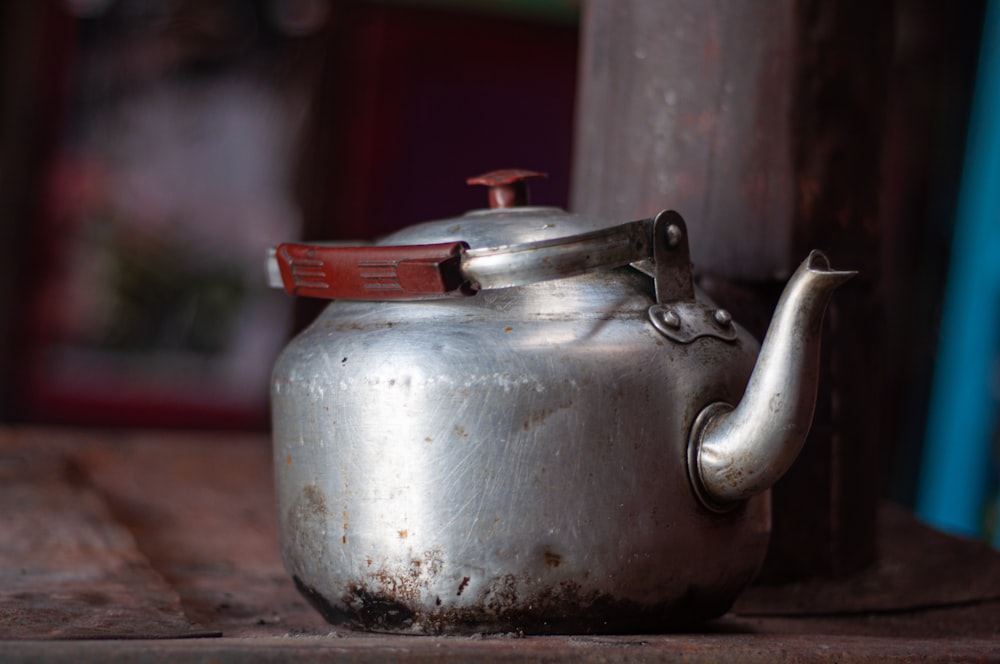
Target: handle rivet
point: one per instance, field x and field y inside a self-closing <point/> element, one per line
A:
<point x="670" y="319"/>
<point x="674" y="235"/>
<point x="723" y="317"/>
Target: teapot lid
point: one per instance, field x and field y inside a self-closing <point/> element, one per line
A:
<point x="508" y="220"/>
<point x="506" y="245"/>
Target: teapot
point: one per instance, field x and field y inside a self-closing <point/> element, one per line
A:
<point x="522" y="419"/>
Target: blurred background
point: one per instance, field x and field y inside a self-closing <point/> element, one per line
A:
<point x="151" y="151"/>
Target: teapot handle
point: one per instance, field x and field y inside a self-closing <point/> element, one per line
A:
<point x="430" y="271"/>
<point x="329" y="271"/>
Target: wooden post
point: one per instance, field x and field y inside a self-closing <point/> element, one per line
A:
<point x="761" y="123"/>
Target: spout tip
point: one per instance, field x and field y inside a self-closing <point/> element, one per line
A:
<point x="817" y="261"/>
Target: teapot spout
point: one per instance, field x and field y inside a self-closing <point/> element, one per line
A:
<point x="736" y="453"/>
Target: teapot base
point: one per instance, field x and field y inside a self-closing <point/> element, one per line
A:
<point x="565" y="609"/>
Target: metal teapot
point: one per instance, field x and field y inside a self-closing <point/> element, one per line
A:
<point x="523" y="419"/>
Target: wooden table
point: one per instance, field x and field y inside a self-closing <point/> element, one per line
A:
<point x="162" y="546"/>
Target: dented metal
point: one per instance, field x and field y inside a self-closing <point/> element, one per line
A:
<point x="515" y="461"/>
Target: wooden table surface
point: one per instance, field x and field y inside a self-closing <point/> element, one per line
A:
<point x="162" y="546"/>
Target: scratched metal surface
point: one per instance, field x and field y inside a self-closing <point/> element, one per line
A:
<point x="427" y="486"/>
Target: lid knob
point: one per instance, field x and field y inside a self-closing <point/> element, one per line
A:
<point x="507" y="186"/>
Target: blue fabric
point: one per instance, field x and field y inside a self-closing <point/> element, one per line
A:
<point x="955" y="478"/>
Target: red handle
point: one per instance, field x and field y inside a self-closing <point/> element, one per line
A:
<point x="373" y="273"/>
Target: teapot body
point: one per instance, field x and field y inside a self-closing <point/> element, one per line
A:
<point x="515" y="461"/>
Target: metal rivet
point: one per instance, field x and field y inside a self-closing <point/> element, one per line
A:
<point x="723" y="317"/>
<point x="674" y="235"/>
<point x="671" y="319"/>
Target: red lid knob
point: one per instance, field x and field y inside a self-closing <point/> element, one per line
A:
<point x="507" y="186"/>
